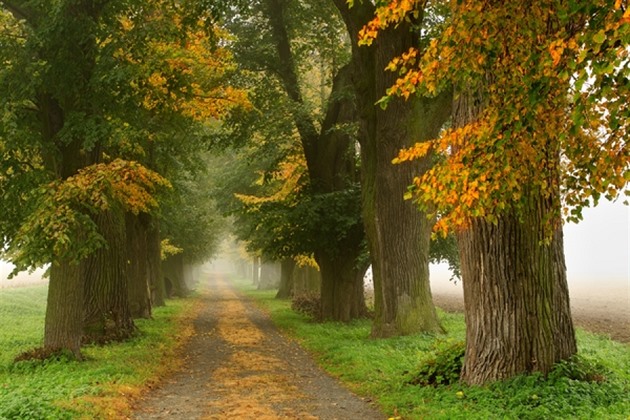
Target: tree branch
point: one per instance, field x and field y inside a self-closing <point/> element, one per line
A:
<point x="276" y="10"/>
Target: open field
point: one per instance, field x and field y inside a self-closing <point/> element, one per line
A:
<point x="598" y="307"/>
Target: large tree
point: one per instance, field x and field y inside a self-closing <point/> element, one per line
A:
<point x="290" y="36"/>
<point x="540" y="126"/>
<point x="398" y="236"/>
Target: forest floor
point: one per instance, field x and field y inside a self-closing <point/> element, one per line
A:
<point x="239" y="366"/>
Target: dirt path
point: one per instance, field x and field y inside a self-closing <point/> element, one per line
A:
<point x="240" y="367"/>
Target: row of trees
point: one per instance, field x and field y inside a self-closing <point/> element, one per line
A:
<point x="336" y="196"/>
<point x="109" y="108"/>
<point x="105" y="106"/>
<point x="512" y="116"/>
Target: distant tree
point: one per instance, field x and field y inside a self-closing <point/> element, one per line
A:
<point x="193" y="224"/>
<point x="285" y="290"/>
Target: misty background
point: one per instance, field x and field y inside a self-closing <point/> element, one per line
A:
<point x="597" y="254"/>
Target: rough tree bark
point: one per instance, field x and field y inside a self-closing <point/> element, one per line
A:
<point x="138" y="268"/>
<point x="516" y="297"/>
<point x="342" y="291"/>
<point x="287" y="266"/>
<point x="398" y="235"/>
<point x="63" y="327"/>
<point x="154" y="260"/>
<point x="106" y="304"/>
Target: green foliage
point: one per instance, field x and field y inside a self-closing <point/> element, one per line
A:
<point x="277" y="222"/>
<point x="53" y="388"/>
<point x="444" y="249"/>
<point x="546" y="88"/>
<point x="291" y="54"/>
<point x="314" y="222"/>
<point x="190" y="216"/>
<point x="595" y="386"/>
<point x="580" y="368"/>
<point x="84" y="84"/>
<point x="61" y="227"/>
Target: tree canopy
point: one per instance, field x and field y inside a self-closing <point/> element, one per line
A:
<point x="146" y="84"/>
<point x="554" y="117"/>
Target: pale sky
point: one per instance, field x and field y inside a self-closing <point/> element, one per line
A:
<point x="598" y="247"/>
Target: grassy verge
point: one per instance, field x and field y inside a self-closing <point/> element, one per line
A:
<point x="382" y="369"/>
<point x="104" y="385"/>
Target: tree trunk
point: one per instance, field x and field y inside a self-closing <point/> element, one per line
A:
<point x="154" y="261"/>
<point x="256" y="271"/>
<point x="342" y="293"/>
<point x="173" y="269"/>
<point x="106" y="311"/>
<point x="138" y="270"/>
<point x="65" y="312"/>
<point x="269" y="275"/>
<point x="398" y="234"/>
<point x="63" y="327"/>
<point x="287" y="266"/>
<point x="331" y="162"/>
<point x="307" y="280"/>
<point x="191" y="278"/>
<point x="516" y="297"/>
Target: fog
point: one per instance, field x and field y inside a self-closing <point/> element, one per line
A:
<point x="24" y="278"/>
<point x="597" y="255"/>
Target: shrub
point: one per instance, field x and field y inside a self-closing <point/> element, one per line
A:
<point x="579" y="368"/>
<point x="307" y="304"/>
<point x="441" y="365"/>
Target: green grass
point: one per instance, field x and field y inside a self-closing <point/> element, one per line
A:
<point x="99" y="387"/>
<point x="381" y="370"/>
